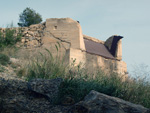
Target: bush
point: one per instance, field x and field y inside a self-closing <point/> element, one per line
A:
<point x="4" y="59"/>
<point x="78" y="87"/>
<point x="21" y="72"/>
<point x="137" y="92"/>
<point x="9" y="37"/>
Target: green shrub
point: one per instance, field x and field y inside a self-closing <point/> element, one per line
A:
<point x="78" y="87"/>
<point x="21" y="72"/>
<point x="9" y="37"/>
<point x="134" y="91"/>
<point x="4" y="59"/>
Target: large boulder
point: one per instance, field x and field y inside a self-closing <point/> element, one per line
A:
<point x="36" y="96"/>
<point x="96" y="102"/>
<point x="17" y="96"/>
<point x="47" y="88"/>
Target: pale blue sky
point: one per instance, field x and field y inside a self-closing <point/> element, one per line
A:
<point x="98" y="18"/>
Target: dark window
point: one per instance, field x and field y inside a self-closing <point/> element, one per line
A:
<point x="55" y="27"/>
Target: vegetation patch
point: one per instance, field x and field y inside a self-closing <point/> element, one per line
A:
<point x="4" y="59"/>
<point x="9" y="37"/>
<point x="78" y="82"/>
<point x="44" y="66"/>
<point x="135" y="91"/>
<point x="2" y="69"/>
<point x="29" y="17"/>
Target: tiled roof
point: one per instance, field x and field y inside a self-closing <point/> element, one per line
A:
<point x="97" y="49"/>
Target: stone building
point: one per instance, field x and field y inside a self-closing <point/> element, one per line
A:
<point x="88" y="51"/>
<point x="91" y="52"/>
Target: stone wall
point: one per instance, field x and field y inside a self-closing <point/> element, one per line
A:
<point x="31" y="36"/>
<point x="66" y="30"/>
<point x="92" y="62"/>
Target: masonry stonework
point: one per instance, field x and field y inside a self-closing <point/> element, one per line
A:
<point x="86" y="50"/>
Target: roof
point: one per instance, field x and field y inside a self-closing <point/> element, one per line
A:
<point x="96" y="48"/>
<point x="93" y="39"/>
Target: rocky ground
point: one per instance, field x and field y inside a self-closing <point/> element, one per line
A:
<point x="38" y="96"/>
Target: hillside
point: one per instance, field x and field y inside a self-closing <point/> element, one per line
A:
<point x="35" y="80"/>
<point x="59" y="91"/>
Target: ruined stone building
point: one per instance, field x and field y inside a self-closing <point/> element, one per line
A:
<point x="89" y="51"/>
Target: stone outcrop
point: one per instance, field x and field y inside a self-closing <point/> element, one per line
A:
<point x="18" y="96"/>
<point x="47" y="88"/>
<point x="96" y="102"/>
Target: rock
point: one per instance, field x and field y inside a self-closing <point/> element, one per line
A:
<point x="96" y="102"/>
<point x="35" y="96"/>
<point x="68" y="101"/>
<point x="48" y="88"/>
<point x="14" y="60"/>
<point x="18" y="96"/>
<point x="22" y="40"/>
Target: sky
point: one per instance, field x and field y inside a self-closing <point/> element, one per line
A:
<point x="98" y="18"/>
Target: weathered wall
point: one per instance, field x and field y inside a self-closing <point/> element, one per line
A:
<point x="92" y="62"/>
<point x="78" y="56"/>
<point x="67" y="30"/>
<point x="31" y="36"/>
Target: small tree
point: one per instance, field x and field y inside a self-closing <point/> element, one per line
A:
<point x="29" y="17"/>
